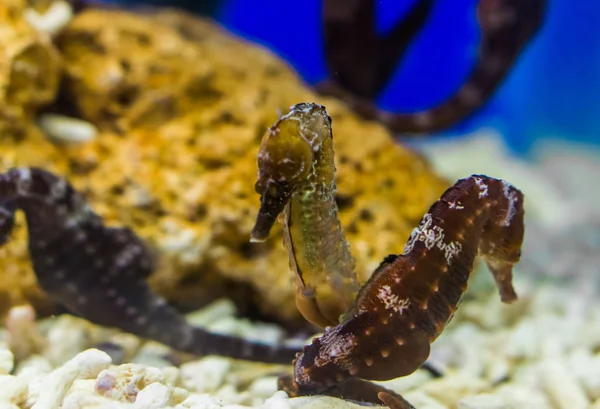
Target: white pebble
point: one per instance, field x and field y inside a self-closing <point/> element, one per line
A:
<point x="263" y="387"/>
<point x="53" y="20"/>
<point x="13" y="389"/>
<point x="33" y="372"/>
<point x="67" y="129"/>
<point x="35" y="364"/>
<point x="205" y="375"/>
<point x="84" y="365"/>
<point x="86" y="400"/>
<point x="203" y="401"/>
<point x="215" y="311"/>
<point x="23" y="336"/>
<point x="586" y="369"/>
<point x="421" y="400"/>
<point x="483" y="401"/>
<point x="65" y="337"/>
<point x="7" y="361"/>
<point x="561" y="386"/>
<point x="524" y="397"/>
<point x="449" y="389"/>
<point x="498" y="369"/>
<point x="153" y="396"/>
<point x="318" y="402"/>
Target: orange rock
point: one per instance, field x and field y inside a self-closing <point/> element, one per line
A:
<point x="182" y="106"/>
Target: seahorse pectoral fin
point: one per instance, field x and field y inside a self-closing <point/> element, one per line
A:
<point x="317" y="311"/>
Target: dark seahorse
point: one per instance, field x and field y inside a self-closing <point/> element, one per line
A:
<point x="100" y="272"/>
<point x="411" y="297"/>
<point x="362" y="61"/>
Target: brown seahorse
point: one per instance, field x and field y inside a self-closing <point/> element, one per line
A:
<point x="410" y="297"/>
<point x="100" y="272"/>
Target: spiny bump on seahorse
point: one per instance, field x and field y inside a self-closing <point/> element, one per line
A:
<point x="100" y="272"/>
<point x="296" y="178"/>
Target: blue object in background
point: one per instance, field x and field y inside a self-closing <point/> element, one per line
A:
<point x="552" y="91"/>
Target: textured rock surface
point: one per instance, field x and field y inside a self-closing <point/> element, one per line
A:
<point x="538" y="353"/>
<point x="181" y="107"/>
<point x="29" y="68"/>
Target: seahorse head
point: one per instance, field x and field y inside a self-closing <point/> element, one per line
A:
<point x="286" y="158"/>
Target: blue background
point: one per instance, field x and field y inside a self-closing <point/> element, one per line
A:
<point x="552" y="91"/>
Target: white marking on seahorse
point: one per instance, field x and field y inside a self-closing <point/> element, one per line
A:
<point x="511" y="195"/>
<point x="455" y="205"/>
<point x="432" y="236"/>
<point x="24" y="181"/>
<point x="392" y="301"/>
<point x="483" y="188"/>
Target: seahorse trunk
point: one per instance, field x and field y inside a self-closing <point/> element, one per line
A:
<point x="318" y="248"/>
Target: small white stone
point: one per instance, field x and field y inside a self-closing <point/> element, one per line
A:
<point x="527" y="375"/>
<point x="498" y="369"/>
<point x="318" y="402"/>
<point x="421" y="400"/>
<point x="153" y="396"/>
<point x="86" y="400"/>
<point x="483" y="401"/>
<point x="561" y="386"/>
<point x="205" y="375"/>
<point x="34" y="365"/>
<point x="213" y="312"/>
<point x="12" y="389"/>
<point x="65" y="337"/>
<point x="524" y="397"/>
<point x="7" y="361"/>
<point x="53" y="20"/>
<point x="23" y="337"/>
<point x="67" y="129"/>
<point x="586" y="369"/>
<point x="203" y="401"/>
<point x="33" y="372"/>
<point x="84" y="365"/>
<point x="229" y="395"/>
<point x="264" y="387"/>
<point x="449" y="389"/>
<point x="524" y="341"/>
<point x="4" y="405"/>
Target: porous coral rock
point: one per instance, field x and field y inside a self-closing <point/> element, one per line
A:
<point x="125" y="382"/>
<point x="29" y="67"/>
<point x="85" y="365"/>
<point x="181" y="106"/>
